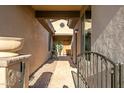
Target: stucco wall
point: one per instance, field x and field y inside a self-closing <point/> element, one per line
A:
<point x="80" y="37"/>
<point x="108" y="31"/>
<point x="73" y="46"/>
<point x="79" y="42"/>
<point x="19" y="21"/>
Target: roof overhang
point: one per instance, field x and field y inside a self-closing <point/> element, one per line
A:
<point x="57" y="14"/>
<point x="72" y="22"/>
<point x="71" y="12"/>
<point x="57" y="7"/>
<point x="47" y="25"/>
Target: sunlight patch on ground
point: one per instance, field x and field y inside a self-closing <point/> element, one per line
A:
<point x="62" y="76"/>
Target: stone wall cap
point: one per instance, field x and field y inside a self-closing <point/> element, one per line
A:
<point x="6" y="61"/>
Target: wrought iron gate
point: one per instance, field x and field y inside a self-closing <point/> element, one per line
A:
<point x="97" y="71"/>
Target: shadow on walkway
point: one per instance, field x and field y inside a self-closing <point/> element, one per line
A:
<point x="65" y="58"/>
<point x="65" y="86"/>
<point x="62" y="58"/>
<point x="43" y="81"/>
<point x="49" y="69"/>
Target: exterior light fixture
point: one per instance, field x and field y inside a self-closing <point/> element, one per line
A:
<point x="76" y="30"/>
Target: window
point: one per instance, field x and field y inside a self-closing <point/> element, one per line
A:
<point x="62" y="25"/>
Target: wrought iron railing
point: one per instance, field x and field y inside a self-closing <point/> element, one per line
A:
<point x="97" y="71"/>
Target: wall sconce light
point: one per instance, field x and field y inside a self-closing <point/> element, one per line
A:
<point x="76" y="30"/>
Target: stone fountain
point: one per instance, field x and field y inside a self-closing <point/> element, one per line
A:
<point x="12" y="64"/>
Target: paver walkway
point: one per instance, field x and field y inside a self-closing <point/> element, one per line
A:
<point x="54" y="74"/>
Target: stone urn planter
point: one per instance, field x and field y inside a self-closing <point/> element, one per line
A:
<point x="13" y="64"/>
<point x="11" y="44"/>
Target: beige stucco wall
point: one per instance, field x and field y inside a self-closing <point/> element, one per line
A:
<point x="107" y="34"/>
<point x="73" y="47"/>
<point x="79" y="40"/>
<point x="19" y="21"/>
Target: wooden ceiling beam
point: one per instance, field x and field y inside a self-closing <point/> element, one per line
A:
<point x="57" y="14"/>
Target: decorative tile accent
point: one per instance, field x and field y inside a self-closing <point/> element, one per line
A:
<point x="13" y="77"/>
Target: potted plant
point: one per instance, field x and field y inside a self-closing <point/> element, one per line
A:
<point x="59" y="47"/>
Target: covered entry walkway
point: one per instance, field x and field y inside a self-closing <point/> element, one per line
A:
<point x="54" y="74"/>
